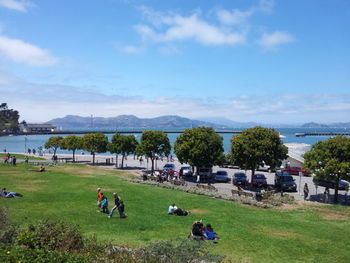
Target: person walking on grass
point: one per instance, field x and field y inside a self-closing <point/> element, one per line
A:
<point x="99" y="198"/>
<point x="121" y="209"/>
<point x="104" y="204"/>
<point x="116" y="204"/>
<point x="306" y="191"/>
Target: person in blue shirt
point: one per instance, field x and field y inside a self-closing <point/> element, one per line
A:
<point x="171" y="209"/>
<point x="104" y="205"/>
<point x="209" y="232"/>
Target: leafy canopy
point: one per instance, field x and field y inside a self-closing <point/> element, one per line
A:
<point x="8" y="119"/>
<point x="154" y="143"/>
<point x="201" y="147"/>
<point x="256" y="146"/>
<point x="72" y="143"/>
<point x="330" y="158"/>
<point x="95" y="142"/>
<point x="122" y="144"/>
<point x="54" y="142"/>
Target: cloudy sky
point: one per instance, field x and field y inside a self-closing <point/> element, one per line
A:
<point x="271" y="61"/>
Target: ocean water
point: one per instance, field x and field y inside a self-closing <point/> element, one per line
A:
<point x="20" y="143"/>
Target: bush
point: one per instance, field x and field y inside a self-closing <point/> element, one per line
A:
<point x="51" y="235"/>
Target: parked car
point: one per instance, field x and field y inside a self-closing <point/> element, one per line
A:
<point x="239" y="179"/>
<point x="259" y="180"/>
<point x="169" y="166"/>
<point x="295" y="170"/>
<point x="222" y="176"/>
<point x="343" y="185"/>
<point x="285" y="181"/>
<point x="186" y="171"/>
<point x="205" y="173"/>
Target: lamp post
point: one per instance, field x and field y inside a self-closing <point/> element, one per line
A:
<point x="25" y="144"/>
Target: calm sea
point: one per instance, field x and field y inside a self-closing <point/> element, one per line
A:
<point x="20" y="143"/>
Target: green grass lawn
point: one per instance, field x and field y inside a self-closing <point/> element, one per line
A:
<point x="299" y="233"/>
<point x="21" y="156"/>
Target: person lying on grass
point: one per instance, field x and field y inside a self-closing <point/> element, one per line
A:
<point x="173" y="210"/>
<point x="6" y="194"/>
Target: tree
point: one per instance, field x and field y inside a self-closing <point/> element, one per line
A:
<point x="257" y="146"/>
<point x="154" y="143"/>
<point x="54" y="142"/>
<point x="95" y="143"/>
<point x="123" y="145"/>
<point x="330" y="159"/>
<point x="8" y="119"/>
<point x="72" y="143"/>
<point x="199" y="147"/>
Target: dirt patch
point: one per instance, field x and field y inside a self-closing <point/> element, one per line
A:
<point x="299" y="205"/>
<point x="199" y="211"/>
<point x="334" y="217"/>
<point x="30" y="185"/>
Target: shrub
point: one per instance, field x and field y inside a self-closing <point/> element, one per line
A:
<point x="51" y="235"/>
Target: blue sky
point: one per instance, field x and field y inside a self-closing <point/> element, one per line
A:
<point x="270" y="61"/>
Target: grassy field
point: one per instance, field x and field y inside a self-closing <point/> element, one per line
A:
<point x="295" y="233"/>
<point x="21" y="156"/>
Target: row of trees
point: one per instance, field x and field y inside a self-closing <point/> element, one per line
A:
<point x="203" y="147"/>
<point x="199" y="147"/>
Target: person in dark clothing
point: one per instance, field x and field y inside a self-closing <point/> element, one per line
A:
<point x="14" y="160"/>
<point x="180" y="212"/>
<point x="116" y="204"/>
<point x="121" y="208"/>
<point x="197" y="229"/>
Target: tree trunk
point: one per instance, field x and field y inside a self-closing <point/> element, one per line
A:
<point x="93" y="158"/>
<point x="253" y="172"/>
<point x="116" y="161"/>
<point x="122" y="161"/>
<point x="54" y="151"/>
<point x="336" y="187"/>
<point x="73" y="156"/>
<point x="152" y="170"/>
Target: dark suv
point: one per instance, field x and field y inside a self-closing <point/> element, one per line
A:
<point x="343" y="185"/>
<point x="239" y="179"/>
<point x="285" y="181"/>
<point x="259" y="180"/>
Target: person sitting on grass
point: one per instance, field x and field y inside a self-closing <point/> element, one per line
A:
<point x="104" y="205"/>
<point x="197" y="230"/>
<point x="42" y="169"/>
<point x="209" y="233"/>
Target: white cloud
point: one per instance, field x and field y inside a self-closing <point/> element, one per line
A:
<point x="21" y="6"/>
<point x="270" y="41"/>
<point x="41" y="102"/>
<point x="132" y="49"/>
<point x="181" y="28"/>
<point x="20" y="51"/>
<point x="233" y="17"/>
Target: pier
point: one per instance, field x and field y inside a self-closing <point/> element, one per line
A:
<point x="322" y="134"/>
<point x="105" y="132"/>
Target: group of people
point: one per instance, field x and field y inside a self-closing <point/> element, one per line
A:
<point x="8" y="194"/>
<point x="201" y="232"/>
<point x="10" y="159"/>
<point x="102" y="204"/>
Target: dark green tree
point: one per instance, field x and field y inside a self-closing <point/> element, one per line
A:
<point x="330" y="159"/>
<point x="257" y="146"/>
<point x="54" y="143"/>
<point x="72" y="143"/>
<point x="199" y="147"/>
<point x="8" y="119"/>
<point x="123" y="145"/>
<point x="95" y="143"/>
<point x="154" y="143"/>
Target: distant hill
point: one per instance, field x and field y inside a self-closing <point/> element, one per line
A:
<point x="129" y="121"/>
<point x="230" y="123"/>
<point x="330" y="125"/>
<point x="314" y="125"/>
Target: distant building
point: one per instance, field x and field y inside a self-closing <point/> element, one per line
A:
<point x="33" y="127"/>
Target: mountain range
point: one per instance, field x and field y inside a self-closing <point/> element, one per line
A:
<point x="170" y="122"/>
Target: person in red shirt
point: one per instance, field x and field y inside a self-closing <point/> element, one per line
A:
<point x="99" y="197"/>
